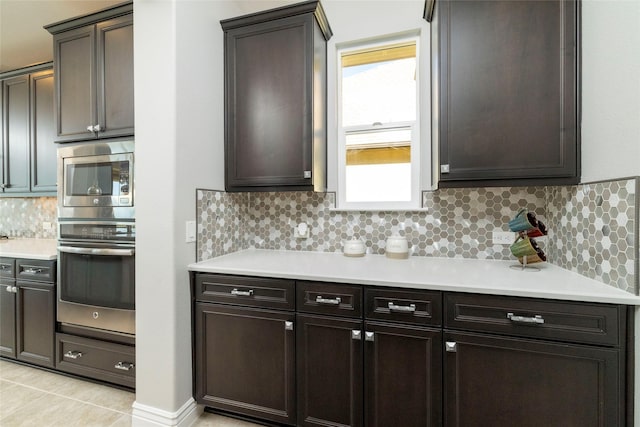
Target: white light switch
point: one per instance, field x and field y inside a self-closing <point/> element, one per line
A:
<point x="190" y="231"/>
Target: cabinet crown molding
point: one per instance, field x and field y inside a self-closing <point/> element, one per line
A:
<point x="92" y="18"/>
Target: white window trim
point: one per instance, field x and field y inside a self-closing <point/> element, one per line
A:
<point x="416" y="159"/>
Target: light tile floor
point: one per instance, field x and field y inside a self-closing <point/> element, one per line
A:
<point x="38" y="398"/>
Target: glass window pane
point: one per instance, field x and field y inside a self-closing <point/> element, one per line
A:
<point x="378" y="165"/>
<point x="378" y="183"/>
<point x="382" y="92"/>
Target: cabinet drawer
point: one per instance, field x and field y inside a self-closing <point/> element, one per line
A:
<point x="405" y="306"/>
<point x="246" y="291"/>
<point x="96" y="359"/>
<point x="7" y="267"/>
<point x="32" y="269"/>
<point x="329" y="298"/>
<point x="526" y="317"/>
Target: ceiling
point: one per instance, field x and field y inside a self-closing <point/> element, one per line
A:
<point x="23" y="41"/>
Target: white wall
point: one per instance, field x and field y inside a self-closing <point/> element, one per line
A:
<point x="610" y="89"/>
<point x="179" y="147"/>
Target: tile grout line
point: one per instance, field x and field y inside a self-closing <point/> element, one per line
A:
<point x="64" y="397"/>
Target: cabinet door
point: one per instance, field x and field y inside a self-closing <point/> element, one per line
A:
<point x="402" y="361"/>
<point x="269" y="111"/>
<point x="75" y="91"/>
<point x="329" y="358"/>
<point x="43" y="148"/>
<point x="245" y="361"/>
<point x="16" y="134"/>
<point x="7" y="319"/>
<point x="35" y="324"/>
<point x="115" y="77"/>
<point x="492" y="381"/>
<point x="508" y="100"/>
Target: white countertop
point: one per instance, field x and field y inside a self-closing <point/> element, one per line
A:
<point x="446" y="274"/>
<point x="44" y="249"/>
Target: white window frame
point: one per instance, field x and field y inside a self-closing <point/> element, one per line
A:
<point x="416" y="194"/>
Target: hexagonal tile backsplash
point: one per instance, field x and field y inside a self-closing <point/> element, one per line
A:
<point x="23" y="217"/>
<point x="595" y="231"/>
<point x="591" y="227"/>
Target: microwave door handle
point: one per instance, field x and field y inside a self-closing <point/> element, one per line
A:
<point x="96" y="251"/>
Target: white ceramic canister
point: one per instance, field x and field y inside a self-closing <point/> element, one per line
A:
<point x="397" y="247"/>
<point x="353" y="248"/>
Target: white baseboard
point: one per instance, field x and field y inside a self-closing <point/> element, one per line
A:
<point x="149" y="416"/>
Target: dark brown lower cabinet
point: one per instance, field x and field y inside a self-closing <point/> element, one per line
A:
<point x="245" y="361"/>
<point x="96" y="358"/>
<point x="30" y="335"/>
<point x="403" y="375"/>
<point x="330" y="366"/>
<point x="7" y="318"/>
<point x="498" y="381"/>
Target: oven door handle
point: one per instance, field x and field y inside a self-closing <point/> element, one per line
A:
<point x="97" y="251"/>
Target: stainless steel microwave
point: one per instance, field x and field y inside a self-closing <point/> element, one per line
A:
<point x="96" y="180"/>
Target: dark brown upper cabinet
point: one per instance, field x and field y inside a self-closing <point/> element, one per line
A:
<point x="93" y="61"/>
<point x="506" y="76"/>
<point x="275" y="99"/>
<point x="28" y="156"/>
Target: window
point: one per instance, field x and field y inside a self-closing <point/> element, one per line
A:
<point x="378" y="137"/>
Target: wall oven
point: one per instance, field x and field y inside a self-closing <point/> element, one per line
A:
<point x="96" y="275"/>
<point x="96" y="180"/>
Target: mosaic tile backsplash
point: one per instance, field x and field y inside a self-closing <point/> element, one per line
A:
<point x="456" y="223"/>
<point x="595" y="231"/>
<point x="591" y="227"/>
<point x="23" y="217"/>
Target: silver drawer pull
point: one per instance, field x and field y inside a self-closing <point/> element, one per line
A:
<point x="369" y="336"/>
<point x="537" y="319"/>
<point x="356" y="334"/>
<point x="73" y="354"/>
<point x="32" y="270"/>
<point x="411" y="308"/>
<point x="240" y="293"/>
<point x="328" y="301"/>
<point x="124" y="366"/>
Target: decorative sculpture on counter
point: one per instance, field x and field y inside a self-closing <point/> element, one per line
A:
<point x="525" y="248"/>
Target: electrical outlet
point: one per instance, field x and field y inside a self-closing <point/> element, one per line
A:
<point x="503" y="237"/>
<point x="302" y="231"/>
<point x="190" y="232"/>
<point x="46" y="226"/>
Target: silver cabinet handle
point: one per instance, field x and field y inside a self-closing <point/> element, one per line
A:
<point x="3" y="266"/>
<point x="73" y="354"/>
<point x="96" y="251"/>
<point x="328" y="301"/>
<point x="124" y="366"/>
<point x="356" y="334"/>
<point x="411" y="308"/>
<point x="369" y="336"/>
<point x="537" y="319"/>
<point x="288" y="326"/>
<point x="97" y="128"/>
<point x="451" y="347"/>
<point x="240" y="293"/>
<point x="90" y="128"/>
<point x="32" y="270"/>
<point x="14" y="289"/>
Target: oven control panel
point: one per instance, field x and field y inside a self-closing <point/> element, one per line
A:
<point x="98" y="231"/>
